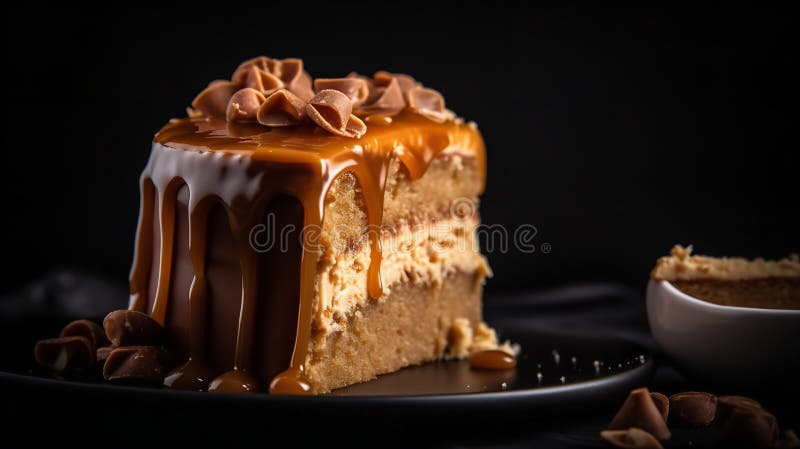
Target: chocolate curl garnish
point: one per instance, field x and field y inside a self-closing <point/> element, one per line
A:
<point x="260" y="62"/>
<point x="407" y="82"/>
<point x="142" y="363"/>
<point x="244" y="105"/>
<point x="632" y="438"/>
<point x="356" y="89"/>
<point x="262" y="81"/>
<point x="193" y="113"/>
<point x="282" y="108"/>
<point x="331" y="110"/>
<point x="213" y="100"/>
<point x="428" y="103"/>
<point x="65" y="354"/>
<point x="296" y="79"/>
<point x="640" y="411"/>
<point x="88" y="329"/>
<point x="385" y="96"/>
<point x="130" y="328"/>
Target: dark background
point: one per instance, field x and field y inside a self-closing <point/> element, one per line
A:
<point x="616" y="132"/>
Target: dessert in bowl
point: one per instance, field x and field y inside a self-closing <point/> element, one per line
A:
<point x="730" y="320"/>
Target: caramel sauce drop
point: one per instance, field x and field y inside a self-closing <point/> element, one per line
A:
<point x="493" y="359"/>
<point x="242" y="167"/>
<point x="235" y="381"/>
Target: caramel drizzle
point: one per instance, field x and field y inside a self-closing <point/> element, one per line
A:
<point x="307" y="163"/>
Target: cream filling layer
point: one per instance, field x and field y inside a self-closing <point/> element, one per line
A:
<point x="420" y="254"/>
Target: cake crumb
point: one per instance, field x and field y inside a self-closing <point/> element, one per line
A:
<point x="682" y="265"/>
<point x="460" y="338"/>
<point x="463" y="340"/>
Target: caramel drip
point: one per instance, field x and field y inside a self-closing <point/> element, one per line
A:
<point x="241" y="166"/>
<point x="166" y="214"/>
<point x="144" y="249"/>
<point x="195" y="374"/>
<point x="240" y="379"/>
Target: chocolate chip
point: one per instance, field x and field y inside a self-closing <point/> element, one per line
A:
<point x="631" y="438"/>
<point x="65" y="354"/>
<point x="662" y="404"/>
<point x="130" y="328"/>
<point x="88" y="329"/>
<point x="750" y="427"/>
<point x="640" y="411"/>
<point x="140" y="363"/>
<point x="726" y="404"/>
<point x="693" y="408"/>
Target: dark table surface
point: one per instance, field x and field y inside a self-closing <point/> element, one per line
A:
<point x="606" y="309"/>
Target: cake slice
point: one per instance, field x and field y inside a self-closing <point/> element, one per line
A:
<point x="732" y="281"/>
<point x="302" y="236"/>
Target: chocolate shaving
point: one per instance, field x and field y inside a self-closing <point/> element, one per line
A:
<point x="65" y="354"/>
<point x="129" y="327"/>
<point x="385" y="97"/>
<point x="213" y="100"/>
<point x="244" y="104"/>
<point x="142" y="363"/>
<point x="331" y="110"/>
<point x="640" y="411"/>
<point x="282" y="108"/>
<point x="631" y="438"/>
<point x="428" y="103"/>
<point x="407" y="82"/>
<point x="88" y="329"/>
<point x="264" y="63"/>
<point x="356" y="89"/>
<point x="262" y="81"/>
<point x="693" y="408"/>
<point x="296" y="79"/>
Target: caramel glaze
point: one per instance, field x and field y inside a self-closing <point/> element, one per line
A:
<point x="242" y="168"/>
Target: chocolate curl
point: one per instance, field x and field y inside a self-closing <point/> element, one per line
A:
<point x="428" y="103"/>
<point x="632" y="438"/>
<point x="193" y="113"/>
<point x="65" y="354"/>
<point x="244" y="105"/>
<point x="213" y="100"/>
<point x="356" y="89"/>
<point x="331" y="110"/>
<point x="385" y="97"/>
<point x="640" y="411"/>
<point x="282" y="108"/>
<point x="143" y="363"/>
<point x="693" y="408"/>
<point x="89" y="329"/>
<point x="262" y="81"/>
<point x="264" y="63"/>
<point x="662" y="404"/>
<point x="296" y="79"/>
<point x="406" y="82"/>
<point x="129" y="328"/>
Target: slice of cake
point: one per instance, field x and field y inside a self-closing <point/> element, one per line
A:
<point x="732" y="281"/>
<point x="303" y="235"/>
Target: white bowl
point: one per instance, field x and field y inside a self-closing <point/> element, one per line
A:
<point x="733" y="345"/>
